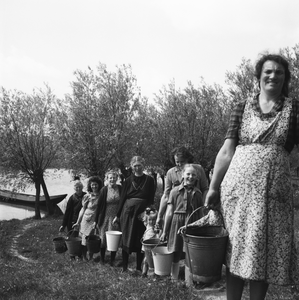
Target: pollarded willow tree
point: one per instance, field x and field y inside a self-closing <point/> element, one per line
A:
<point x="28" y="138"/>
<point x="97" y="127"/>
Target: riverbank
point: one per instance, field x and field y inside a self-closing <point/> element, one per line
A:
<point x="30" y="269"/>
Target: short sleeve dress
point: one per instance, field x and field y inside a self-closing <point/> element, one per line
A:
<point x="256" y="193"/>
<point x="89" y="202"/>
<point x="112" y="201"/>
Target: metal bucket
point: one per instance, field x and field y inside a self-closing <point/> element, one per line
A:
<point x="162" y="260"/>
<point x="93" y="243"/>
<point x="148" y="245"/>
<point x="113" y="239"/>
<point x="205" y="251"/>
<point x="59" y="244"/>
<point x="74" y="246"/>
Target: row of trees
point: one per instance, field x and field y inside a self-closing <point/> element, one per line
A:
<point x="106" y="121"/>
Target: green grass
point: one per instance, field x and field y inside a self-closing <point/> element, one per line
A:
<point x="49" y="275"/>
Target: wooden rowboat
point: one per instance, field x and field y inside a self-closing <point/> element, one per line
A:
<point x="27" y="198"/>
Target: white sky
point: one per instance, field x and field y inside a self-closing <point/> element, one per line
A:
<point x="45" y="41"/>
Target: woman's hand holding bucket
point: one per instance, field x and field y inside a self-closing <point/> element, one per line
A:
<point x="76" y="226"/>
<point x="182" y="230"/>
<point x="115" y="220"/>
<point x="163" y="237"/>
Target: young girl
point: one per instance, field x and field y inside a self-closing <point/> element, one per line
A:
<point x="106" y="210"/>
<point x="149" y="220"/>
<point x="183" y="200"/>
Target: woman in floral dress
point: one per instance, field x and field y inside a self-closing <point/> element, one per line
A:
<point x="86" y="218"/>
<point x="252" y="180"/>
<point x="106" y="211"/>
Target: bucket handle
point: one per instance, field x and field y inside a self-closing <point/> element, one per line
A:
<point x="205" y="207"/>
<point x="94" y="231"/>
<point x="72" y="232"/>
<point x="159" y="243"/>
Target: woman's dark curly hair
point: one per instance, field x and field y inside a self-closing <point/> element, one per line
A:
<point x="183" y="152"/>
<point x="280" y="60"/>
<point x="94" y="179"/>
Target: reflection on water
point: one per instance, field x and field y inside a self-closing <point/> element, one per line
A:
<point x="10" y="211"/>
<point x="58" y="182"/>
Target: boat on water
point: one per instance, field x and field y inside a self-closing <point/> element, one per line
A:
<point x="27" y="198"/>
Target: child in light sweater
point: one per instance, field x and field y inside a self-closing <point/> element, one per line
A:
<point x="149" y="219"/>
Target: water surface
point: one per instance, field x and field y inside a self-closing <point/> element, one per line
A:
<point x="10" y="211"/>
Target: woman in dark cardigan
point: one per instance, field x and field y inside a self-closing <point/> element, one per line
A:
<point x="73" y="207"/>
<point x="137" y="194"/>
<point x="106" y="211"/>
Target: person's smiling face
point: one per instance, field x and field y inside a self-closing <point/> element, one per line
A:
<point x="78" y="190"/>
<point x="272" y="77"/>
<point x="94" y="186"/>
<point x="111" y="179"/>
<point x="189" y="176"/>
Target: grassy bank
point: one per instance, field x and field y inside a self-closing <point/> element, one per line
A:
<point x="48" y="275"/>
<point x="43" y="274"/>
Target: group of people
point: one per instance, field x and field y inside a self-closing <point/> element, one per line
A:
<point x="112" y="207"/>
<point x="250" y="184"/>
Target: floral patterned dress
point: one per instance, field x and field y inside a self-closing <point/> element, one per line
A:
<point x="256" y="199"/>
<point x="111" y="210"/>
<point x="89" y="202"/>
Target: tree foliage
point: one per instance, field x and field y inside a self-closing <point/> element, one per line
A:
<point x="98" y="120"/>
<point x="105" y="121"/>
<point x="28" y="137"/>
<point x="195" y="118"/>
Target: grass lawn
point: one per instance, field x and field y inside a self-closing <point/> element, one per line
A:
<point x="44" y="274"/>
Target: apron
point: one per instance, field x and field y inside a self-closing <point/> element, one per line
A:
<point x="132" y="228"/>
<point x="256" y="199"/>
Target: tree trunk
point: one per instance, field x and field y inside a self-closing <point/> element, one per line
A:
<point x="37" y="207"/>
<point x="50" y="206"/>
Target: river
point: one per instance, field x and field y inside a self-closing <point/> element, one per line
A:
<point x="57" y="181"/>
<point x="10" y="211"/>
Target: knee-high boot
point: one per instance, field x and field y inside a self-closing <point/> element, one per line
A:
<point x="139" y="259"/>
<point x="125" y="257"/>
<point x="103" y="252"/>
<point x="175" y="268"/>
<point x="112" y="258"/>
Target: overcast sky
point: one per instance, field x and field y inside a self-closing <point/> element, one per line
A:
<point x="45" y="41"/>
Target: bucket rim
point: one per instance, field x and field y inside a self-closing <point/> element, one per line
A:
<point x="114" y="232"/>
<point x="73" y="239"/>
<point x="160" y="248"/>
<point x="225" y="233"/>
<point x="58" y="238"/>
<point x="154" y="245"/>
